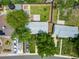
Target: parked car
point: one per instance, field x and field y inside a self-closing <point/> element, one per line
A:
<point x="15" y="46"/>
<point x="27" y="47"/>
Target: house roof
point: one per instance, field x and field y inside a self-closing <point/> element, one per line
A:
<point x="37" y="26"/>
<point x="65" y="31"/>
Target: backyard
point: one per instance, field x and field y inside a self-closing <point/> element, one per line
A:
<point x="69" y="12"/>
<point x="70" y="16"/>
<point x="41" y="9"/>
<point x="74" y="18"/>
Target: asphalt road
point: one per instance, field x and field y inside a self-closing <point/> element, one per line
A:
<point x="29" y="57"/>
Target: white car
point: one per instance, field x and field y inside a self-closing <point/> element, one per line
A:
<point x="15" y="46"/>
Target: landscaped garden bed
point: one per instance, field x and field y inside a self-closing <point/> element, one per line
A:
<point x="41" y="9"/>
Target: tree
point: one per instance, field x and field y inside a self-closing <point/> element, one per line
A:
<point x="27" y="1"/>
<point x="33" y="1"/>
<point x="17" y="18"/>
<point x="45" y="44"/>
<point x="23" y="34"/>
<point x="5" y="2"/>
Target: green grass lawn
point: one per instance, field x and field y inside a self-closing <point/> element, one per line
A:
<point x="32" y="47"/>
<point x="55" y="12"/>
<point x="67" y="48"/>
<point x="71" y="18"/>
<point x="32" y="44"/>
<point x="58" y="47"/>
<point x="41" y="9"/>
<point x="74" y="18"/>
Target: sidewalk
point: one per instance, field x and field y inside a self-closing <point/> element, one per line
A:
<point x="4" y="55"/>
<point x="65" y="56"/>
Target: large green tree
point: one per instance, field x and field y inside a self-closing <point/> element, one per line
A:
<point x="34" y="1"/>
<point x="4" y="2"/>
<point x="17" y="18"/>
<point x="23" y="34"/>
<point x="26" y="1"/>
<point x="45" y="44"/>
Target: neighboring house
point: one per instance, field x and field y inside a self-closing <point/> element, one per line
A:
<point x="65" y="31"/>
<point x="35" y="27"/>
<point x="5" y="34"/>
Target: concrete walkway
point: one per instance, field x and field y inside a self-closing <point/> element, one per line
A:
<point x="61" y="47"/>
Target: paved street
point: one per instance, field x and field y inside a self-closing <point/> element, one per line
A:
<point x="28" y="57"/>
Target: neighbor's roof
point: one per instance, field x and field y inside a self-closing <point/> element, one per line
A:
<point x="65" y="31"/>
<point x="37" y="26"/>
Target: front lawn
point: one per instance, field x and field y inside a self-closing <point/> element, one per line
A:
<point x="32" y="44"/>
<point x="41" y="9"/>
<point x="67" y="48"/>
<point x="32" y="47"/>
<point x="58" y="47"/>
